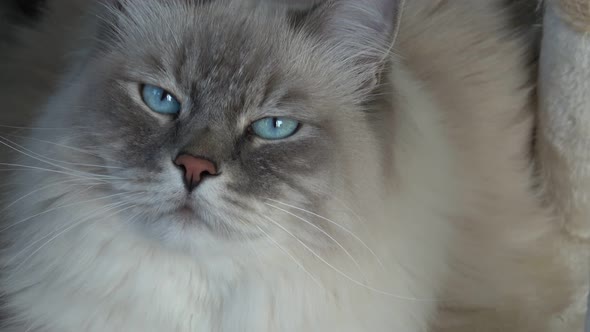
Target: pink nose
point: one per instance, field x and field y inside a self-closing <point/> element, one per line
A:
<point x="194" y="169"/>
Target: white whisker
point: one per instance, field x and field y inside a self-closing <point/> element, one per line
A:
<point x="48" y="142"/>
<point x="32" y="168"/>
<point x="335" y="269"/>
<point x="249" y="243"/>
<point x="346" y="230"/>
<point x="16" y="170"/>
<point x="55" y="160"/>
<point x="126" y="221"/>
<point x="64" y="231"/>
<point x="38" y="190"/>
<point x="115" y="205"/>
<point x="286" y="252"/>
<point x="43" y="160"/>
<point x="326" y="234"/>
<point x="30" y="327"/>
<point x="57" y="208"/>
<point x="40" y="128"/>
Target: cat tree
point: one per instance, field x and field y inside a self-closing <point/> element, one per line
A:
<point x="564" y="121"/>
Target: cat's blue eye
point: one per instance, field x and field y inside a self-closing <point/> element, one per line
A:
<point x="160" y="100"/>
<point x="275" y="128"/>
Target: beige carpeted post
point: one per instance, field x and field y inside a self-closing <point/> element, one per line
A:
<point x="576" y="13"/>
<point x="564" y="137"/>
<point x="564" y="127"/>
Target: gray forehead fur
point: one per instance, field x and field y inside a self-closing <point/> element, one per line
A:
<point x="225" y="59"/>
<point x="348" y="37"/>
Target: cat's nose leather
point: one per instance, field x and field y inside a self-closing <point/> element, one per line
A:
<point x="194" y="169"/>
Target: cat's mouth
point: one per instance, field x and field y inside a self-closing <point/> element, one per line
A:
<point x="186" y="210"/>
<point x="189" y="213"/>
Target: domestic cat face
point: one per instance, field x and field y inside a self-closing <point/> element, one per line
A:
<point x="227" y="74"/>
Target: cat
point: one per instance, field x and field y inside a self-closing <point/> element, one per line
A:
<point x="234" y="165"/>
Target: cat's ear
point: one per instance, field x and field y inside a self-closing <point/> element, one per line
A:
<point x="106" y="16"/>
<point x="349" y="19"/>
<point x="364" y="31"/>
<point x="345" y="19"/>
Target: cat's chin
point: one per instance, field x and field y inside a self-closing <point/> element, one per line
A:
<point x="188" y="216"/>
<point x="187" y="212"/>
<point x="183" y="230"/>
<point x="183" y="209"/>
<point x="191" y="220"/>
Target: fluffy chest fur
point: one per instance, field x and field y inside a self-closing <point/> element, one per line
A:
<point x="101" y="277"/>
